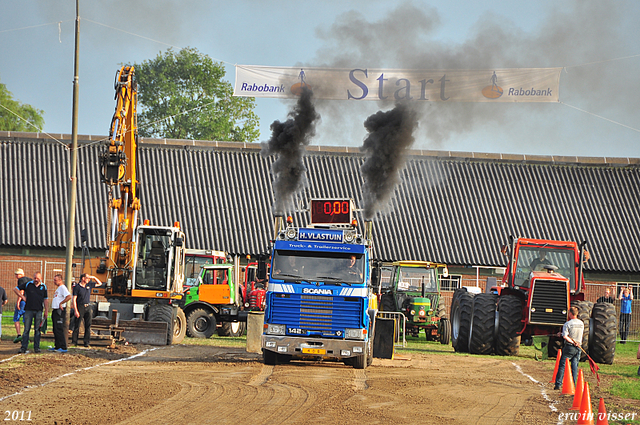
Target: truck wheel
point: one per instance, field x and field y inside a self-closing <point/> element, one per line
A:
<point x="164" y="313"/>
<point x="233" y="329"/>
<point x="584" y="314"/>
<point x="387" y="303"/>
<point x="509" y="324"/>
<point x="360" y="362"/>
<point x="602" y="342"/>
<point x="483" y="324"/>
<point x="201" y="323"/>
<point x="445" y="331"/>
<point x="461" y="320"/>
<point x="269" y="357"/>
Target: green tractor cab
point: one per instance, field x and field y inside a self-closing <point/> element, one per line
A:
<point x="414" y="290"/>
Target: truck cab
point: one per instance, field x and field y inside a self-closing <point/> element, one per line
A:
<point x="319" y="301"/>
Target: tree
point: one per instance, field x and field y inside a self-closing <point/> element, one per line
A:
<point x="15" y="116"/>
<point x="183" y="96"/>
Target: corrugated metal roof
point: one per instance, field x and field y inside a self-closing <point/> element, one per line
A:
<point x="453" y="210"/>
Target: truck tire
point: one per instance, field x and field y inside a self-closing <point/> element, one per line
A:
<point x="201" y="323"/>
<point x="387" y="303"/>
<point x="483" y="324"/>
<point x="164" y="313"/>
<point x="233" y="329"/>
<point x="602" y="341"/>
<point x="461" y="320"/>
<point x="584" y="314"/>
<point x="445" y="331"/>
<point x="269" y="357"/>
<point x="509" y="324"/>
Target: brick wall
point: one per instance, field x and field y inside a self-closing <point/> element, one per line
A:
<point x="48" y="266"/>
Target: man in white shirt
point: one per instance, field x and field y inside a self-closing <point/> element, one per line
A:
<point x="58" y="316"/>
<point x="572" y="332"/>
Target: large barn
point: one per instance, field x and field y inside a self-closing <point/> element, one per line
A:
<point x="456" y="208"/>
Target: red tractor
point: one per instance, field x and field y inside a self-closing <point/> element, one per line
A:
<point x="542" y="281"/>
<point x="253" y="290"/>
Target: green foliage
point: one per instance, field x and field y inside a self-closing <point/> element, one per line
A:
<point x="11" y="111"/>
<point x="183" y="96"/>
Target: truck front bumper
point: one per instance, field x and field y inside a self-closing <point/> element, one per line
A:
<point x="313" y="347"/>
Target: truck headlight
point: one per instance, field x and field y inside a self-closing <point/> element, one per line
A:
<point x="354" y="333"/>
<point x="275" y="329"/>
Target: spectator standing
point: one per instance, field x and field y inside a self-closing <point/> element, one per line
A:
<point x="82" y="308"/>
<point x="572" y="332"/>
<point x="58" y="314"/>
<point x="35" y="297"/>
<point x="3" y="301"/>
<point x="606" y="298"/>
<point x="18" y="312"/>
<point x="626" y="298"/>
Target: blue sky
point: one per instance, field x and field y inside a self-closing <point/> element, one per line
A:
<point x="37" y="61"/>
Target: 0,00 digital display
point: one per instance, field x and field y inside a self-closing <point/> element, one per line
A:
<point x="330" y="211"/>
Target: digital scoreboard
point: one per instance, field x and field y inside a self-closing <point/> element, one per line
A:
<point x="331" y="211"/>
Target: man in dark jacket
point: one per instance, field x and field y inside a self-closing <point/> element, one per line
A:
<point x="35" y="299"/>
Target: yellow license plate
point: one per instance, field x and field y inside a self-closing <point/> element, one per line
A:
<point x="314" y="351"/>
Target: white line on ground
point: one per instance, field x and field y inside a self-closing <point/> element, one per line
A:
<point x="552" y="403"/>
<point x="142" y="353"/>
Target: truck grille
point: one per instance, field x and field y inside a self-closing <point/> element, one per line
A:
<point x="317" y="314"/>
<point x="549" y="303"/>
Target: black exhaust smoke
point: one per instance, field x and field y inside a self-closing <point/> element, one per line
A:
<point x="390" y="135"/>
<point x="288" y="140"/>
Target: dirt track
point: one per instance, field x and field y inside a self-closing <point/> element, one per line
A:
<point x="202" y="385"/>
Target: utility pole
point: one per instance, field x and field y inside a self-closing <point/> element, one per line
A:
<point x="71" y="224"/>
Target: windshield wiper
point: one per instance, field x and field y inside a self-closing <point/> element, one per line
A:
<point x="332" y="280"/>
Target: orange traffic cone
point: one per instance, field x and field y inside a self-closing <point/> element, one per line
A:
<point x="577" y="399"/>
<point x="555" y="371"/>
<point x="567" y="380"/>
<point x="602" y="414"/>
<point x="586" y="415"/>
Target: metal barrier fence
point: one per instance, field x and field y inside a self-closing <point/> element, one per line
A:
<point x="399" y="337"/>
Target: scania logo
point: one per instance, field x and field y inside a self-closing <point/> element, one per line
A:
<point x="317" y="291"/>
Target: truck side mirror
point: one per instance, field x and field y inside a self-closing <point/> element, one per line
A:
<point x="261" y="273"/>
<point x="375" y="277"/>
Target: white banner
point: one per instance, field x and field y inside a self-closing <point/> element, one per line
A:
<point x="500" y="85"/>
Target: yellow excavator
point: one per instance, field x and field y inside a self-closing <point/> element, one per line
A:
<point x="144" y="266"/>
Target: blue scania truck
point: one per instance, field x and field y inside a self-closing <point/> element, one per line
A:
<point x="320" y="301"/>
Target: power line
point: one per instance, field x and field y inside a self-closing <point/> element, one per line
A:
<point x="33" y="125"/>
<point x="601" y="117"/>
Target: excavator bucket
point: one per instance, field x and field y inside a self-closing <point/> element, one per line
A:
<point x="140" y="332"/>
<point x="131" y="331"/>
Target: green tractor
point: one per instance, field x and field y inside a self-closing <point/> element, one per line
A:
<point x="414" y="290"/>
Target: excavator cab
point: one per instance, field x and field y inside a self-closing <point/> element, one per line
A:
<point x="160" y="259"/>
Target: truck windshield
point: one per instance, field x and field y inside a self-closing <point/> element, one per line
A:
<point x="410" y="279"/>
<point x="532" y="259"/>
<point x="317" y="267"/>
